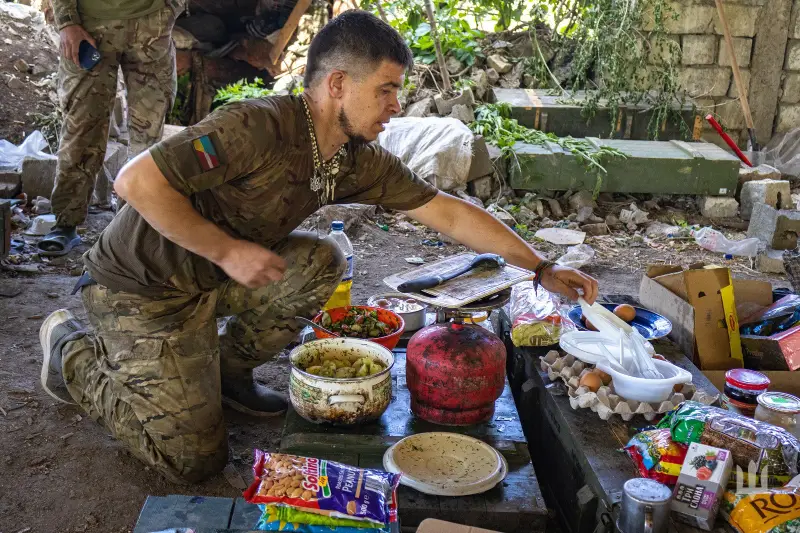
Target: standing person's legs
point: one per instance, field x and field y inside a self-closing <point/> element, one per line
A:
<point x="149" y="372"/>
<point x="262" y="321"/>
<point x="87" y="98"/>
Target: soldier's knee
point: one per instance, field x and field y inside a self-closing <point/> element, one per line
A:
<point x="195" y="465"/>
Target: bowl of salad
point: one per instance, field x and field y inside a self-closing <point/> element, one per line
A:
<point x="362" y="322"/>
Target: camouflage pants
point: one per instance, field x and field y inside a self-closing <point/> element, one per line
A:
<point x="144" y="51"/>
<point x="151" y="370"/>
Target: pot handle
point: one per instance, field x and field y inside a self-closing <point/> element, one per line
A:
<point x="648" y="519"/>
<point x="346" y="398"/>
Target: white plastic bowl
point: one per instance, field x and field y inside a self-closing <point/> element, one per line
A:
<point x="647" y="390"/>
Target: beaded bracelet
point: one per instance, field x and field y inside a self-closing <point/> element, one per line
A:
<point x="540" y="268"/>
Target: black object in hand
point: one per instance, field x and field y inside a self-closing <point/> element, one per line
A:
<point x="428" y="282"/>
<point x="88" y="56"/>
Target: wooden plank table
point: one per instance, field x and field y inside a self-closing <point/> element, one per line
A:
<point x="515" y="505"/>
<point x="578" y="456"/>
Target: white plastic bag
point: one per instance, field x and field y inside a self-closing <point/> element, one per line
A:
<point x="783" y="153"/>
<point x="713" y="240"/>
<point x="577" y="256"/>
<point x="11" y="156"/>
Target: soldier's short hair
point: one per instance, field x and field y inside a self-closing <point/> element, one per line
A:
<point x="353" y="42"/>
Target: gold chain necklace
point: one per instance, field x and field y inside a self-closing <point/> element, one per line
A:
<point x="323" y="182"/>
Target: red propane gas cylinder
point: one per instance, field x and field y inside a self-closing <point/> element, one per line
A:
<point x="455" y="372"/>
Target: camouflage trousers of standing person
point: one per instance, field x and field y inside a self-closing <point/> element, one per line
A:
<point x="143" y="49"/>
<point x="151" y="370"/>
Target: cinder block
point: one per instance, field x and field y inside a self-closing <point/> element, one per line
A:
<point x="788" y="117"/>
<point x="708" y="81"/>
<point x="761" y="172"/>
<point x="742" y="47"/>
<point x="779" y="229"/>
<point x="791" y="88"/>
<point x="38" y="176"/>
<point x="774" y="193"/>
<point x="445" y="107"/>
<point x="793" y="55"/>
<point x="718" y="207"/>
<point x="771" y="262"/>
<point x="741" y="20"/>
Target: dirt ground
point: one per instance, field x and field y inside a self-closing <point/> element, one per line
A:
<point x="61" y="471"/>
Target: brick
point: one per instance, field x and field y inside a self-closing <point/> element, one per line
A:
<point x="793" y="55"/>
<point x="788" y="117"/>
<point x="705" y="81"/>
<point x="779" y="229"/>
<point x="729" y="114"/>
<point x="742" y="47"/>
<point x="770" y="262"/>
<point x="718" y="207"/>
<point x="791" y="88"/>
<point x="698" y="49"/>
<point x="794" y="27"/>
<point x="741" y="20"/>
<point x="38" y="176"/>
<point x="774" y="193"/>
<point x="665" y="50"/>
<point x="694" y="18"/>
<point x="733" y="92"/>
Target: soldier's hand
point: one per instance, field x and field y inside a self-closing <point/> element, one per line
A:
<point x="71" y="37"/>
<point x="252" y="265"/>
<point x="565" y="280"/>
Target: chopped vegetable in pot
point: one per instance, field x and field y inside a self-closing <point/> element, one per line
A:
<point x="359" y="323"/>
<point x="338" y="365"/>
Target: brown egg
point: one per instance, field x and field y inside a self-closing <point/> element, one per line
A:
<point x="625" y="312"/>
<point x="591" y="380"/>
<point x="678" y="387"/>
<point x="605" y="378"/>
<point x="588" y="324"/>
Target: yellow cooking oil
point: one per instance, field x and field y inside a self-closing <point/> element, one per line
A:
<point x="341" y="296"/>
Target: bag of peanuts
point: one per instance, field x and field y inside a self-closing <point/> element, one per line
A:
<point x="324" y="487"/>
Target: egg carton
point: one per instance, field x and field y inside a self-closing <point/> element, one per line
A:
<point x="605" y="402"/>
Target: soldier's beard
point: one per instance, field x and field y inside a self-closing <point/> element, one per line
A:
<point x="347" y="128"/>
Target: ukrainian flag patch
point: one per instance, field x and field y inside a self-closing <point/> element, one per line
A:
<point x="206" y="153"/>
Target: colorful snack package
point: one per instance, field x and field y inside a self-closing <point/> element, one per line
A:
<point x="282" y="518"/>
<point x="775" y="510"/>
<point x="535" y="317"/>
<point x="771" y="449"/>
<point x="656" y="456"/>
<point x="324" y="487"/>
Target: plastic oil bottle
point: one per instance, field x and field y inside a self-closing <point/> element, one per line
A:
<point x="341" y="296"/>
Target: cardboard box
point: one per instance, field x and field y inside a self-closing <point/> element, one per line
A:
<point x="430" y="525"/>
<point x="700" y="304"/>
<point x="779" y="381"/>
<point x="701" y="483"/>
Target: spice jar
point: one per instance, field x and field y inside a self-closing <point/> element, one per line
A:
<point x="742" y="389"/>
<point x="780" y="409"/>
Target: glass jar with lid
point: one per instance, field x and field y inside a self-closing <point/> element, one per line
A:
<point x="780" y="409"/>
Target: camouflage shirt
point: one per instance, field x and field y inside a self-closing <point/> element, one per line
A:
<point x="247" y="168"/>
<point x="68" y="12"/>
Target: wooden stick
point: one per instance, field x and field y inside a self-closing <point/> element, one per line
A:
<point x="737" y="75"/>
<point x="288" y="30"/>
<point x="438" y="46"/>
<point x="381" y="12"/>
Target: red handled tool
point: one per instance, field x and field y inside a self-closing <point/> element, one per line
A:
<point x="728" y="140"/>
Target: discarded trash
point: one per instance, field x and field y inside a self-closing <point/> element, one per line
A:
<point x="561" y="236"/>
<point x="11" y="156"/>
<point x="433" y="242"/>
<point x="42" y="225"/>
<point x="384" y="227"/>
<point x="415" y="260"/>
<point x="713" y="240"/>
<point x="234" y="477"/>
<point x="577" y="256"/>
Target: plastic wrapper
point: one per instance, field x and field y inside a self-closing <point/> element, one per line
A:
<point x="773" y="451"/>
<point x="780" y="316"/>
<point x="656" y="456"/>
<point x="324" y="487"/>
<point x="281" y="518"/>
<point x="775" y="510"/>
<point x="536" y="319"/>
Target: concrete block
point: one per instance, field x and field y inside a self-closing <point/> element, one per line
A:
<point x="779" y="229"/>
<point x="788" y="118"/>
<point x="698" y="49"/>
<point x="705" y="81"/>
<point x="761" y="172"/>
<point x="733" y="92"/>
<point x="774" y="193"/>
<point x="445" y="107"/>
<point x="771" y="262"/>
<point x="481" y="188"/>
<point x="742" y="47"/>
<point x="38" y="176"/>
<point x="499" y="63"/>
<point x="420" y="109"/>
<point x="694" y="18"/>
<point x="791" y="88"/>
<point x="718" y="206"/>
<point x="10" y="183"/>
<point x="793" y="55"/>
<point x="741" y="20"/>
<point x="116" y="157"/>
<point x="794" y="28"/>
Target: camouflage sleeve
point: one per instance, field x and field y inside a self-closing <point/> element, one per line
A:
<point x="66" y="13"/>
<point x="232" y="142"/>
<point x="388" y="182"/>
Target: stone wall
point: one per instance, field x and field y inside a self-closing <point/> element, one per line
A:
<point x="766" y="41"/>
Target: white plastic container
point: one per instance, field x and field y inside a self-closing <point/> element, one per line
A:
<point x="646" y="390"/>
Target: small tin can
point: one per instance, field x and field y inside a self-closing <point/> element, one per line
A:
<point x="742" y="388"/>
<point x="780" y="409"/>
